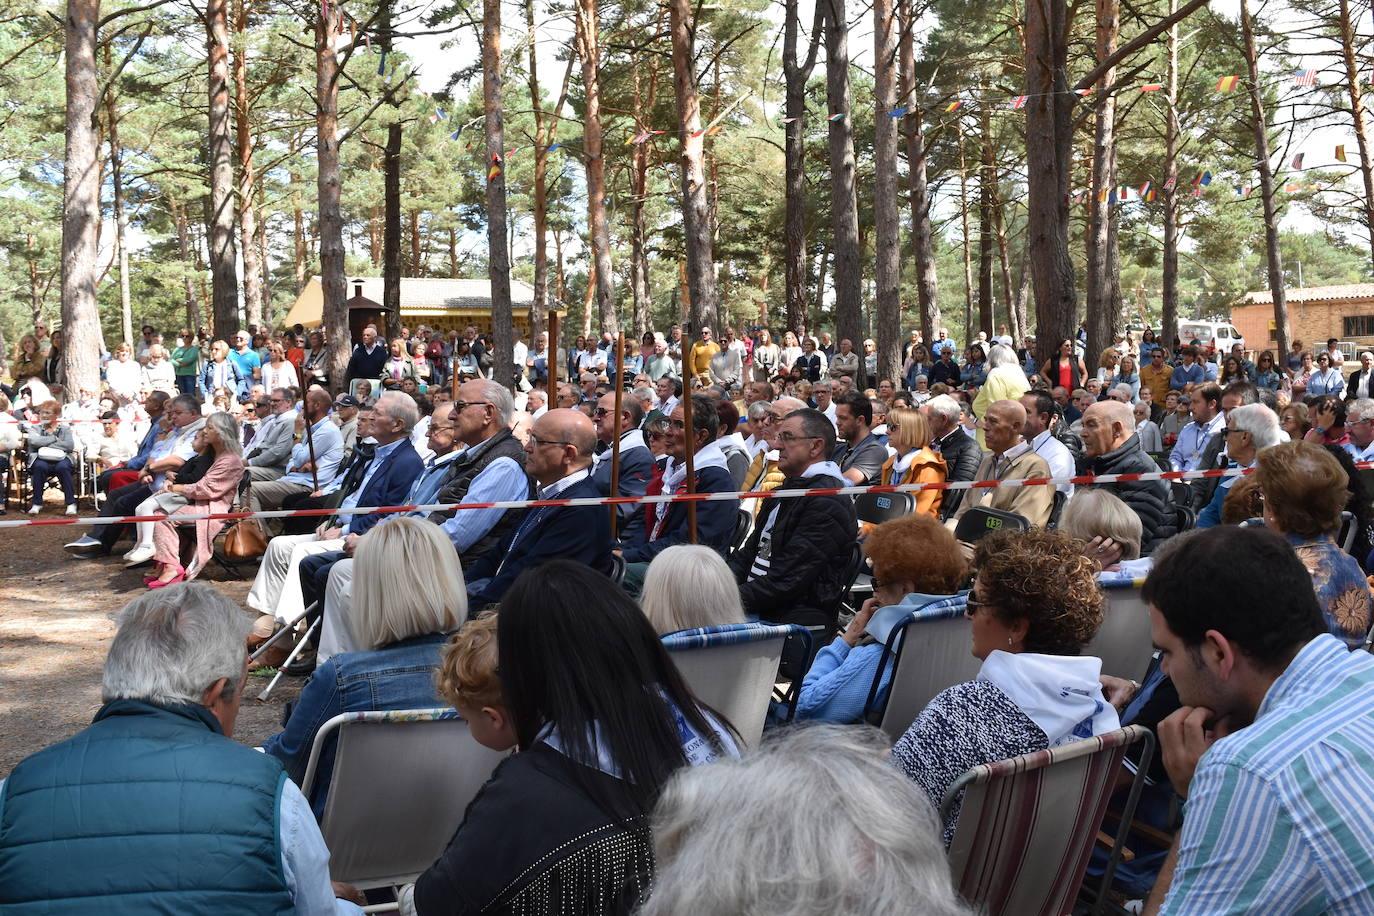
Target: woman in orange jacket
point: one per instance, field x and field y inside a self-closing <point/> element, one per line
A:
<point x="915" y="461"/>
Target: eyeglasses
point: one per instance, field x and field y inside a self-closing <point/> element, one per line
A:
<point x="972" y="604"/>
<point x="789" y="438"/>
<point x="464" y="405"/>
<point x="536" y="441"/>
<point x="1231" y="429"/>
<point x="678" y="425"/>
<point x="600" y="412"/>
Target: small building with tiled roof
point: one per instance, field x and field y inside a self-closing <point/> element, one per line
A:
<point x="1315" y="314"/>
<point x="438" y="303"/>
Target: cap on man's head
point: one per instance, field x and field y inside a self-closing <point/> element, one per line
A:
<point x="347" y="400"/>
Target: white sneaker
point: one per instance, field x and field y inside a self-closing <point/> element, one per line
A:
<point x="71" y="510"/>
<point x="82" y="544"/>
<point x="138" y="556"/>
<point x="33" y="510"/>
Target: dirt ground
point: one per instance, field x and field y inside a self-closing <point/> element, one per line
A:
<point x="56" y="625"/>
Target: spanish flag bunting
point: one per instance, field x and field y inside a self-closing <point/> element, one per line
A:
<point x="1227" y="83"/>
<point x="1102" y="195"/>
<point x="495" y="169"/>
<point x="1152" y="87"/>
<point x="1340" y="153"/>
<point x="1291" y="188"/>
<point x="953" y="106"/>
<point x="711" y="132"/>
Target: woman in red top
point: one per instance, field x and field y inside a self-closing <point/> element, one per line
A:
<point x="1066" y="370"/>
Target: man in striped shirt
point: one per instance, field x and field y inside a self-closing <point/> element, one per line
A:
<point x="1273" y="747"/>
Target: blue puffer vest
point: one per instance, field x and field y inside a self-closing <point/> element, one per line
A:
<point x="149" y="810"/>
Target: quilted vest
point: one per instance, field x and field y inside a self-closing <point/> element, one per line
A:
<point x="150" y="809"/>
<point x="466" y="467"/>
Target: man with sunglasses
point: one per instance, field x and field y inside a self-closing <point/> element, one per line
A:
<point x="1156" y="374"/>
<point x="636" y="461"/>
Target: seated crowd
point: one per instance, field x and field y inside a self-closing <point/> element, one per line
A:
<point x="542" y="628"/>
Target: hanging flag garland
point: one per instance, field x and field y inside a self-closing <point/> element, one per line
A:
<point x="1340" y="153"/>
<point x="1297" y="161"/>
<point x="1227" y="83"/>
<point x="1305" y="78"/>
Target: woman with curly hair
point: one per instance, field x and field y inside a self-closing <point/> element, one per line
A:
<point x="916" y="561"/>
<point x="1034" y="606"/>
<point x="1304" y="489"/>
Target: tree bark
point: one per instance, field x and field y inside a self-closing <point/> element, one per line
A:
<point x="223" y="253"/>
<point x="967" y="246"/>
<point x="248" y="180"/>
<point x="126" y="312"/>
<point x="1099" y="241"/>
<point x="391" y="192"/>
<point x="987" y="186"/>
<point x="923" y="250"/>
<point x="1356" y="94"/>
<point x="80" y="201"/>
<point x="598" y="227"/>
<point x="498" y="258"/>
<point x="1273" y="256"/>
<point x="300" y="248"/>
<point x="999" y="225"/>
<point x="539" y="313"/>
<point x="696" y="215"/>
<point x="329" y="189"/>
<point x="887" y="227"/>
<point x="1168" y="329"/>
<point x="844" y="210"/>
<point x="639" y="245"/>
<point x="794" y="233"/>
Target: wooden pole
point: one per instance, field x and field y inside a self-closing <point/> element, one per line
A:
<point x="689" y="438"/>
<point x="615" y="442"/>
<point x="310" y="444"/>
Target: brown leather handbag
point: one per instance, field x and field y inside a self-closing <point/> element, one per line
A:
<point x="245" y="540"/>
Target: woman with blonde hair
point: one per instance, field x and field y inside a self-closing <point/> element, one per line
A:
<point x="277" y="370"/>
<point x="908" y="432"/>
<point x="689" y="586"/>
<point x="1110" y="529"/>
<point x="789" y="352"/>
<point x="28" y="359"/>
<point x="408" y="594"/>
<point x="1106" y="364"/>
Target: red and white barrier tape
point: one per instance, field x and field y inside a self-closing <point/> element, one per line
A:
<point x="662" y="498"/>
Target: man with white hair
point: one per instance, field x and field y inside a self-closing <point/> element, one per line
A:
<point x="1361" y="381"/>
<point x="1111" y="446"/>
<point x="1249" y="430"/>
<point x="961" y="452"/>
<point x="154" y="805"/>
<point x="1359" y="423"/>
<point x="1009" y="457"/>
<point x="394" y="467"/>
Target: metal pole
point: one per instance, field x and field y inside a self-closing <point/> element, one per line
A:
<point x="615" y="442"/>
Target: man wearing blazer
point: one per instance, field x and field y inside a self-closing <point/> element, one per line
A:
<point x="1361" y="383"/>
<point x="559" y="458"/>
<point x="1009" y="457"/>
<point x="270" y="450"/>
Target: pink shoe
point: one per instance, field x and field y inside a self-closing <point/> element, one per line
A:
<point x="179" y="577"/>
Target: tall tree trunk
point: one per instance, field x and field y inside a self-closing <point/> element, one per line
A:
<point x="126" y="312"/>
<point x="844" y="205"/>
<point x="967" y="246"/>
<point x="598" y="227"/>
<point x="887" y="226"/>
<point x="391" y="228"/>
<point x="193" y="315"/>
<point x="539" y="312"/>
<point x="498" y="258"/>
<point x="1168" y="329"/>
<point x="796" y="76"/>
<point x="639" y="247"/>
<point x="1352" y="79"/>
<point x="999" y="225"/>
<point x="301" y="249"/>
<point x="560" y="278"/>
<point x="329" y="188"/>
<point x="987" y="187"/>
<point x="696" y="216"/>
<point x="1099" y="281"/>
<point x="923" y="250"/>
<point x="223" y="254"/>
<point x="1259" y="125"/>
<point x="81" y="201"/>
<point x="248" y="180"/>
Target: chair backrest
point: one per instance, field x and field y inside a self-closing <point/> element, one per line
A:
<point x="744" y="524"/>
<point x="876" y="508"/>
<point x="937" y="655"/>
<point x="1027" y="825"/>
<point x="617" y="569"/>
<point x="386" y="831"/>
<point x="982" y="520"/>
<point x="1185" y="519"/>
<point x="1123" y="641"/>
<point x="1183" y="492"/>
<point x="1349" y="530"/>
<point x="732" y="669"/>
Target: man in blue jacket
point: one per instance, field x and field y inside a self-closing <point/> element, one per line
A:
<point x="153" y="806"/>
<point x="559" y="458"/>
<point x="636" y="461"/>
<point x="666" y="524"/>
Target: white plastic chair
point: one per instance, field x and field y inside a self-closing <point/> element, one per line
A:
<point x="401" y="783"/>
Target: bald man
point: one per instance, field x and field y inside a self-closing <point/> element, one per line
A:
<point x="558" y="455"/>
<point x="1009" y="457"/>
<point x="1112" y="447"/>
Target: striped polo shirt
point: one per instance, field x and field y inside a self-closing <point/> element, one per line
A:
<point x="1278" y="818"/>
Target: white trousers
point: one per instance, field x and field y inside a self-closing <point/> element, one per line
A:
<point x="277" y="588"/>
<point x="335" y="634"/>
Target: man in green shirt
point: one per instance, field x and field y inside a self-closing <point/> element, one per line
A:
<point x="186" y="362"/>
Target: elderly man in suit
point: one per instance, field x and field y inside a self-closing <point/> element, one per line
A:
<point x="270" y="450"/>
<point x="1009" y="457"/>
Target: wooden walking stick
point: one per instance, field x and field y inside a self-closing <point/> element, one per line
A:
<point x="615" y="442"/>
<point x="310" y="445"/>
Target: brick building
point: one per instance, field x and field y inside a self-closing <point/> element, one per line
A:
<point x="1315" y="314"/>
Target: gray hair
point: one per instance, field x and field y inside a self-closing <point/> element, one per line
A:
<point x="688" y="586"/>
<point x="946" y="406"/>
<point x="1002" y="355"/>
<point x="1358" y="409"/>
<point x="645" y="396"/>
<point x="499" y="396"/>
<point x="1260" y="422"/>
<point x="406" y="582"/>
<point x="1097" y="512"/>
<point x="810" y="791"/>
<point x="227" y="428"/>
<point x="759" y="409"/>
<point x="173" y="644"/>
<point x="400" y="406"/>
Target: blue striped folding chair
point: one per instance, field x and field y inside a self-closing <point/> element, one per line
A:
<point x="1027" y="825"/>
<point x="733" y="669"/>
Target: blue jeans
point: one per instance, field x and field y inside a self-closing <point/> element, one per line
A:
<point x="42" y="469"/>
<point x="187" y="384"/>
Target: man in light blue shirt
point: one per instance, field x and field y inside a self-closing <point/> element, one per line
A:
<point x="1273" y="746"/>
<point x="1193" y="438"/>
<point x="302" y="474"/>
<point x="1189" y="375"/>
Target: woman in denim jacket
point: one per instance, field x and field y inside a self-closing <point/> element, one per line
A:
<point x="405" y="623"/>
